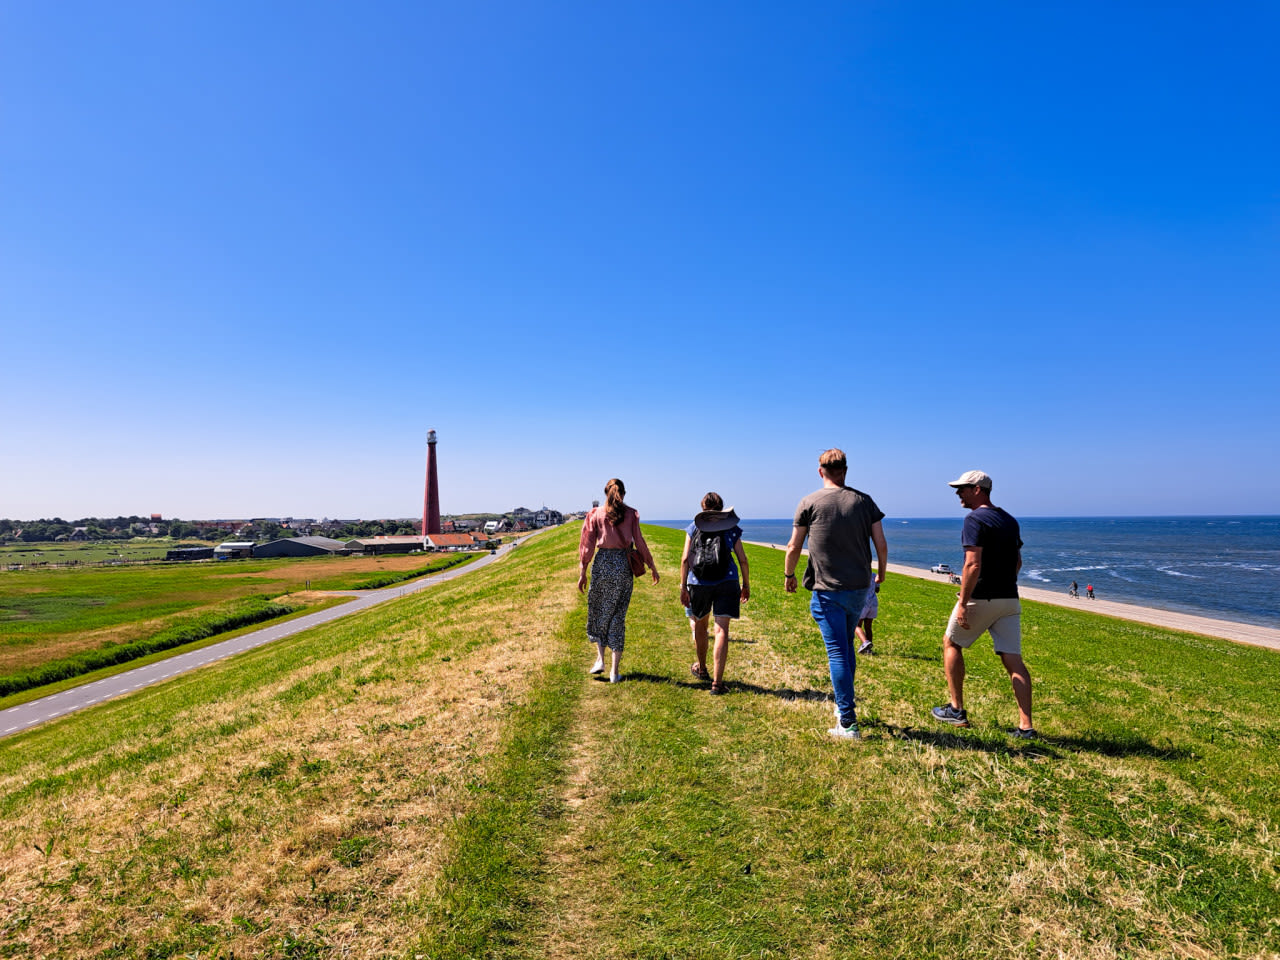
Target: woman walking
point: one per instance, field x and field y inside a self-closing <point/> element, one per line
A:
<point x="608" y="534"/>
<point x="709" y="587"/>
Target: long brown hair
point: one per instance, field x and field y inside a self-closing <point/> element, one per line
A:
<point x="615" y="510"/>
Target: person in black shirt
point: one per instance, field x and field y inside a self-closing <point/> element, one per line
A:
<point x="987" y="601"/>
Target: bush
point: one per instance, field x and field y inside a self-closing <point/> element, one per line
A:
<point x="387" y="579"/>
<point x="248" y="612"/>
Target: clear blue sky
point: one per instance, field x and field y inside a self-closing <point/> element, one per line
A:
<point x="250" y="253"/>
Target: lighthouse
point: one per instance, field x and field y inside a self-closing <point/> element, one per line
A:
<point x="431" y="496"/>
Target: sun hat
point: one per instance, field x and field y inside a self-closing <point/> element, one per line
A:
<point x="716" y="521"/>
<point x="974" y="478"/>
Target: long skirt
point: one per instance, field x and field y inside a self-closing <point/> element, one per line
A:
<point x="608" y="598"/>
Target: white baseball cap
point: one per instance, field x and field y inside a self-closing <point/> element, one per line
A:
<point x="974" y="478"/>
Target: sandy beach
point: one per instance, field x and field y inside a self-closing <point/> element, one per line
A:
<point x="1206" y="626"/>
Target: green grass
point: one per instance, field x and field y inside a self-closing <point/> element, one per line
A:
<point x="438" y="777"/>
<point x="378" y="581"/>
<point x="26" y="696"/>
<point x="55" y="616"/>
<point x="253" y="611"/>
<point x="142" y="548"/>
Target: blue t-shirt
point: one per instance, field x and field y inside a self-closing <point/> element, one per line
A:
<point x="730" y="538"/>
<point x="997" y="533"/>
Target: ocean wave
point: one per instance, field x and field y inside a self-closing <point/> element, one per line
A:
<point x="1037" y="575"/>
<point x="1179" y="573"/>
<point x="1120" y="576"/>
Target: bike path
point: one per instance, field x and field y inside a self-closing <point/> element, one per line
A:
<point x="35" y="712"/>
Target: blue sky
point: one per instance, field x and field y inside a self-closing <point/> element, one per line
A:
<point x="250" y="253"/>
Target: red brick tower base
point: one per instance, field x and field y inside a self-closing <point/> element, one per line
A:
<point x="431" y="498"/>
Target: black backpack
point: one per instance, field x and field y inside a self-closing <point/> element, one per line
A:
<point x="709" y="556"/>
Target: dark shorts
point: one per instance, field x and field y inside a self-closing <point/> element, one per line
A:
<point x="720" y="599"/>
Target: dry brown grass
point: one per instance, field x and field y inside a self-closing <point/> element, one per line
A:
<point x="246" y="832"/>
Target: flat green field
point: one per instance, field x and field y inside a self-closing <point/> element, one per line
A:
<point x="439" y="777"/>
<point x="49" y="614"/>
<point x="142" y="548"/>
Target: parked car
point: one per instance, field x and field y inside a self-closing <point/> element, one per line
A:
<point x="941" y="568"/>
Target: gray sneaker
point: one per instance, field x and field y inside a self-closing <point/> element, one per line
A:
<point x="866" y="647"/>
<point x="949" y="714"/>
<point x="1024" y="733"/>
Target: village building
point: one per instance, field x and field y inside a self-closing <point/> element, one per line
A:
<point x="386" y="544"/>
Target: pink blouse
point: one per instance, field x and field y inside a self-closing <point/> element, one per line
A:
<point x="599" y="533"/>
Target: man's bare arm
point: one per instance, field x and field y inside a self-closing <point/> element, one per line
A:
<point x="792" y="557"/>
<point x="882" y="550"/>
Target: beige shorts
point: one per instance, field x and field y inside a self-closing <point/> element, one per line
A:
<point x="1001" y="618"/>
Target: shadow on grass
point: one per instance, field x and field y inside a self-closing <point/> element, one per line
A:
<point x="1044" y="746"/>
<point x="977" y="743"/>
<point x="735" y="686"/>
<point x="1122" y="747"/>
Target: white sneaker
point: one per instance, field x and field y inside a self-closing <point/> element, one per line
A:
<point x="845" y="733"/>
<point x="866" y="647"/>
<point x="615" y="678"/>
<point x="598" y="666"/>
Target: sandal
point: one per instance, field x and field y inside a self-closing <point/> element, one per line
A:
<point x="699" y="672"/>
<point x="718" y="689"/>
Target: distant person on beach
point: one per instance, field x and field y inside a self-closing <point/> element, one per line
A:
<point x="608" y="533"/>
<point x="1089" y="590"/>
<point x="709" y="585"/>
<point x="987" y="601"/>
<point x="1075" y="589"/>
<point x="841" y="524"/>
<point x="869" y="614"/>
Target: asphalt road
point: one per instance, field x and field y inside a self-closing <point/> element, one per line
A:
<point x="36" y="712"/>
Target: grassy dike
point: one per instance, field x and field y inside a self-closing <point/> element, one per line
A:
<point x="439" y="778"/>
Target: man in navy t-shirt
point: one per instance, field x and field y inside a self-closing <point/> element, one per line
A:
<point x="987" y="601"/>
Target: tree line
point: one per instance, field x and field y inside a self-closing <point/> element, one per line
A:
<point x="126" y="528"/>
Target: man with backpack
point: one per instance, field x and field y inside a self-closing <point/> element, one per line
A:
<point x="709" y="585"/>
<point x="841" y="524"/>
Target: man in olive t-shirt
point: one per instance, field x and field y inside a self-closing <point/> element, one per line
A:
<point x="840" y="523"/>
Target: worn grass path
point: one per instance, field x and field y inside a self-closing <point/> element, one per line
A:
<point x="441" y="779"/>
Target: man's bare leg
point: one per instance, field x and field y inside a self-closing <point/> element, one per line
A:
<point x="953" y="664"/>
<point x="1020" y="677"/>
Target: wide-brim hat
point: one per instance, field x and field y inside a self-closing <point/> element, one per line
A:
<point x="716" y="521"/>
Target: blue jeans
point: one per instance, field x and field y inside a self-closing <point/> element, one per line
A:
<point x="837" y="613"/>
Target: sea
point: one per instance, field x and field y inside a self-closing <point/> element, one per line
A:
<point x="1227" y="568"/>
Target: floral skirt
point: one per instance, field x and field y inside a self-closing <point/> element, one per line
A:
<point x="608" y="598"/>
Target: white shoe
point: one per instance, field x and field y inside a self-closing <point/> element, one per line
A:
<point x="598" y="666"/>
<point x="845" y="733"/>
<point x="615" y="678"/>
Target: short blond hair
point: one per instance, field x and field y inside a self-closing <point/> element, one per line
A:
<point x="833" y="461"/>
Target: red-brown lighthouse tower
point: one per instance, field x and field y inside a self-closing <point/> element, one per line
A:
<point x="431" y="498"/>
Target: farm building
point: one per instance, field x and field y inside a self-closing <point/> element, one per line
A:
<point x="388" y="544"/>
<point x="451" y="541"/>
<point x="300" y="547"/>
<point x="190" y="553"/>
<point x="233" y="550"/>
